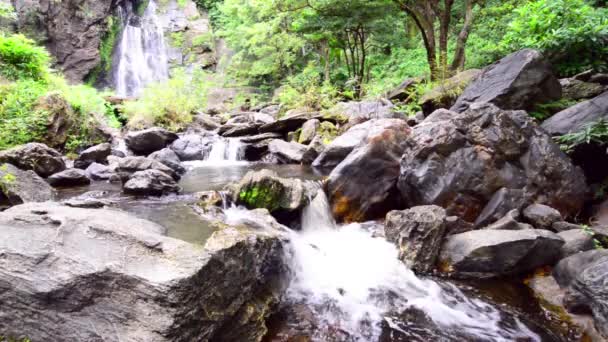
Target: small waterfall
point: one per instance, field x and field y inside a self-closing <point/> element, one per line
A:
<point x="142" y="54"/>
<point x="353" y="282"/>
<point x="225" y="149"/>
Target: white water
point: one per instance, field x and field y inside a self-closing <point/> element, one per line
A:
<point x="221" y="152"/>
<point x="142" y="55"/>
<point x="352" y="280"/>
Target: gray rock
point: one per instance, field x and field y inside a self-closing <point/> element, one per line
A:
<point x="364" y="185"/>
<point x="418" y="233"/>
<point x="238" y="130"/>
<point x="189" y="147"/>
<point x="460" y="161"/>
<point x="577" y="117"/>
<point x="288" y="123"/>
<point x="360" y="111"/>
<point x="205" y="122"/>
<point x="576" y="240"/>
<point x="40" y="158"/>
<point x="259" y="137"/>
<point x="509" y="222"/>
<point x="567" y="269"/>
<point x="574" y="89"/>
<point x="502" y="202"/>
<point x="127" y="166"/>
<point x="149" y="140"/>
<point x="169" y="158"/>
<point x="342" y="146"/>
<point x="518" y="81"/>
<point x="21" y="186"/>
<point x="403" y="91"/>
<point x="496" y="253"/>
<point x="309" y="130"/>
<point x="314" y="149"/>
<point x="287" y="152"/>
<point x="150" y="183"/>
<point x="96" y="154"/>
<point x="83" y="271"/>
<point x="541" y="216"/>
<point x="69" y="177"/>
<point x="445" y="94"/>
<point x="562" y="226"/>
<point x="97" y="171"/>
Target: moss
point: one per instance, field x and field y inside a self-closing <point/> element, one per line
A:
<point x="106" y="50"/>
<point x="328" y="132"/>
<point x="260" y="196"/>
<point x="178" y="39"/>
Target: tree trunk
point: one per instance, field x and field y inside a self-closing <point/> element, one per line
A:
<point x="463" y="36"/>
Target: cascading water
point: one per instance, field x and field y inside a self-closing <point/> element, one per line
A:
<point x="142" y="54"/>
<point x="353" y="282"/>
<point x="225" y="149"/>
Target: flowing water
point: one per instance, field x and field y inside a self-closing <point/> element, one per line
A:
<point x="142" y="54"/>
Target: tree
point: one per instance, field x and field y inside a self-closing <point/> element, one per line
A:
<point x="434" y="19"/>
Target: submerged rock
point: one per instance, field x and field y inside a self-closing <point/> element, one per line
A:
<point x="40" y="158"/>
<point x="496" y="253"/>
<point x="96" y="154"/>
<point x="418" y="233"/>
<point x="149" y="140"/>
<point x="83" y="271"/>
<point x="169" y="158"/>
<point x="69" y="177"/>
<point x="150" y="183"/>
<point x="21" y="186"/>
<point x="127" y="166"/>
<point x="518" y="81"/>
<point x="189" y="147"/>
<point x="97" y="171"/>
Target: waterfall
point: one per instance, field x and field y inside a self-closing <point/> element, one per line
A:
<point x="352" y="281"/>
<point x="225" y="149"/>
<point x="142" y="54"/>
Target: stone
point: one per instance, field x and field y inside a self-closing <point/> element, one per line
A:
<point x="60" y="119"/>
<point x="568" y="268"/>
<point x="189" y="147"/>
<point x="69" y="177"/>
<point x="509" y="222"/>
<point x="494" y="253"/>
<point x="170" y="159"/>
<point x="541" y="216"/>
<point x="578" y="117"/>
<point x="502" y="203"/>
<point x="21" y="186"/>
<point x="460" y="161"/>
<point x="288" y="123"/>
<point x="97" y="172"/>
<point x="40" y="158"/>
<point x="342" y="146"/>
<point x="150" y="183"/>
<point x="356" y="112"/>
<point x="518" y="81"/>
<point x="445" y="94"/>
<point x="314" y="149"/>
<point x="573" y="89"/>
<point x="287" y="152"/>
<point x="127" y="166"/>
<point x="576" y="240"/>
<point x="149" y="140"/>
<point x="238" y="130"/>
<point x="562" y="226"/>
<point x="404" y="90"/>
<point x="205" y="122"/>
<point x="364" y="185"/>
<point x="418" y="233"/>
<point x="259" y="137"/>
<point x="95" y="154"/>
<point x="169" y="289"/>
<point x="309" y="131"/>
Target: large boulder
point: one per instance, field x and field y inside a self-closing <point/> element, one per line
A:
<point x="404" y="90"/>
<point x="40" y="158"/>
<point x="364" y="185"/>
<point x="69" y="177"/>
<point x="576" y="241"/>
<point x="418" y="233"/>
<point x="288" y="123"/>
<point x="579" y="116"/>
<point x="127" y="166"/>
<point x="98" y="171"/>
<point x="359" y="111"/>
<point x="60" y="118"/>
<point x="94" y="274"/>
<point x="518" y="81"/>
<point x="189" y="147"/>
<point x="168" y="157"/>
<point x="541" y="216"/>
<point x="18" y="186"/>
<point x="460" y="161"/>
<point x="445" y="94"/>
<point x="309" y="131"/>
<point x="575" y="90"/>
<point x="95" y="154"/>
<point x="496" y="253"/>
<point x="150" y="183"/>
<point x="149" y="140"/>
<point x="287" y="152"/>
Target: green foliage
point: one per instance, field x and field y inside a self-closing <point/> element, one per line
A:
<point x="261" y="197"/>
<point x="595" y="132"/>
<point x="544" y="111"/>
<point x="7" y="11"/>
<point x="106" y="50"/>
<point x="387" y="72"/>
<point x="572" y="33"/>
<point x="177" y="39"/>
<point x="587" y="230"/>
<point x="20" y="58"/>
<point x="307" y="90"/>
<point x="170" y="104"/>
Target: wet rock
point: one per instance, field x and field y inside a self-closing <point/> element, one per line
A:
<point x="518" y="81"/>
<point x="69" y="177"/>
<point x="40" y="158"/>
<point x="342" y="146"/>
<point x="287" y="152"/>
<point x="183" y="291"/>
<point x="314" y="149"/>
<point x="150" y="183"/>
<point x="21" y="186"/>
<point x="364" y="185"/>
<point x="90" y="203"/>
<point x="127" y="166"/>
<point x="569" y="268"/>
<point x="418" y="233"/>
<point x="574" y="89"/>
<point x="496" y="253"/>
<point x="502" y="203"/>
<point x="149" y="140"/>
<point x="210" y="198"/>
<point x="309" y="130"/>
<point x="541" y="216"/>
<point x="578" y="116"/>
<point x="189" y="147"/>
<point x="576" y="240"/>
<point x="97" y="171"/>
<point x="169" y="158"/>
<point x="259" y="137"/>
<point x="509" y="222"/>
<point x="460" y="161"/>
<point x="445" y="94"/>
<point x="96" y="154"/>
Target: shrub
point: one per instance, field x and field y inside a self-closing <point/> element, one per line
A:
<point x="19" y="122"/>
<point x="307" y="90"/>
<point x="595" y="132"/>
<point x="21" y="58"/>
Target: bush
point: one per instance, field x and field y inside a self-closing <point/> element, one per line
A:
<point x="21" y="58"/>
<point x="595" y="132"/>
<point x="171" y="103"/>
<point x="19" y="122"/>
<point x="572" y="33"/>
<point x="388" y="72"/>
<point x="307" y="90"/>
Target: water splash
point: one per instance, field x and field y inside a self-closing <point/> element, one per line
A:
<point x="142" y="54"/>
<point x="352" y="280"/>
<point x="220" y="152"/>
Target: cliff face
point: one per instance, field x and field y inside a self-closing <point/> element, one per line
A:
<point x="71" y="29"/>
